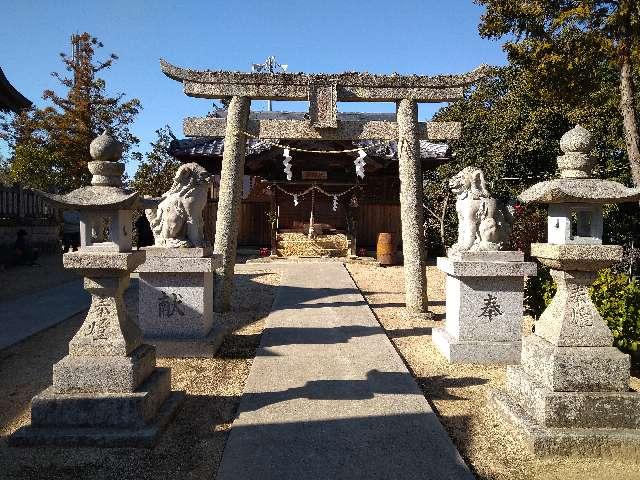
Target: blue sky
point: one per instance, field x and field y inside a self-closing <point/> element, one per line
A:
<point x="405" y="36"/>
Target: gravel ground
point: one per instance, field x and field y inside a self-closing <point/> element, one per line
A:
<point x="22" y="280"/>
<point x="193" y="443"/>
<point x="192" y="446"/>
<point x="458" y="392"/>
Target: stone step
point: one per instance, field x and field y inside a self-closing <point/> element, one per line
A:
<point x="145" y="436"/>
<point x="566" y="442"/>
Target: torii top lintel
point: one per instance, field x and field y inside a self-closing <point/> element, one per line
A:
<point x="348" y="86"/>
<point x="323" y="91"/>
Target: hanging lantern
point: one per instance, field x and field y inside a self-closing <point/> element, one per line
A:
<point x="335" y="203"/>
<point x="295" y="200"/>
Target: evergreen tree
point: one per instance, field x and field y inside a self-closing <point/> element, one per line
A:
<point x="51" y="145"/>
<point x="512" y="133"/>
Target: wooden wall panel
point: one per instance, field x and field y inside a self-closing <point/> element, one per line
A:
<point x="254" y="230"/>
<point x="374" y="219"/>
<point x="254" y="226"/>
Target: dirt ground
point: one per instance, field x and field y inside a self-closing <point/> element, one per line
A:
<point x="22" y="280"/>
<point x="193" y="443"/>
<point x="458" y="393"/>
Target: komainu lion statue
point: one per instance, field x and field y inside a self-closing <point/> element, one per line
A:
<point x="177" y="220"/>
<point x="483" y="224"/>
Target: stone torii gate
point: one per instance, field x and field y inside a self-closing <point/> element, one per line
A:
<point x="323" y="91"/>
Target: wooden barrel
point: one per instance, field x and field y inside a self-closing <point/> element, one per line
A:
<point x="385" y="249"/>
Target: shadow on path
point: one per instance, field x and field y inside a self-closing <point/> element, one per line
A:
<point x="398" y="383"/>
<point x="437" y="387"/>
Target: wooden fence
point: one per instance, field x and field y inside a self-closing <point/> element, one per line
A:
<point x="18" y="203"/>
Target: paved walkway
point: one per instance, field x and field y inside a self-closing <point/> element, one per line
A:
<point x="328" y="397"/>
<point x="30" y="314"/>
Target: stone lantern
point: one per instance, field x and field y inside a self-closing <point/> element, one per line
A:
<point x="570" y="394"/>
<point x="107" y="391"/>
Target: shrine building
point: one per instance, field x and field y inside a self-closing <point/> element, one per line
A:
<point x="364" y="206"/>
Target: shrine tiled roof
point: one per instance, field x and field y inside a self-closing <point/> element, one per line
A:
<point x="207" y="147"/>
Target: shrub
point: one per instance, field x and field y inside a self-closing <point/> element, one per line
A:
<point x="618" y="300"/>
<point x="616" y="297"/>
<point x="538" y="291"/>
<point x="529" y="226"/>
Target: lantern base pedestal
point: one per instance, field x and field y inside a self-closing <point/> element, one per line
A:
<point x="556" y="441"/>
<point x="133" y="419"/>
<point x="571" y="401"/>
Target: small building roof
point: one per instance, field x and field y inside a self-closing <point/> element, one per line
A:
<point x="11" y="100"/>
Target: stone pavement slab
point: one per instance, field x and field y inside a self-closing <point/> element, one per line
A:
<point x="30" y="314"/>
<point x="328" y="397"/>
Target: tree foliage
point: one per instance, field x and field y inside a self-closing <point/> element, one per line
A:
<point x="583" y="54"/>
<point x="508" y="131"/>
<point x="155" y="172"/>
<point x="51" y="144"/>
<point x="512" y="133"/>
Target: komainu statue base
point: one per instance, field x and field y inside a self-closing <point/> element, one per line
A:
<point x="175" y="309"/>
<point x="484" y="304"/>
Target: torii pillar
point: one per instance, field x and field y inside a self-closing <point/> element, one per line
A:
<point x="230" y="194"/>
<point x="412" y="218"/>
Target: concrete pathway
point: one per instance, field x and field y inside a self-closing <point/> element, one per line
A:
<point x="30" y="314"/>
<point x="328" y="397"/>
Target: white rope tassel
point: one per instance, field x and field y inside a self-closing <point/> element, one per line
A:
<point x="287" y="165"/>
<point x="360" y="162"/>
<point x="295" y="200"/>
<point x="335" y="203"/>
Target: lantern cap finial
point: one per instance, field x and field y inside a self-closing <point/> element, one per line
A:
<point x="576" y="161"/>
<point x="105" y="167"/>
<point x="577" y="140"/>
<point x="105" y="148"/>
